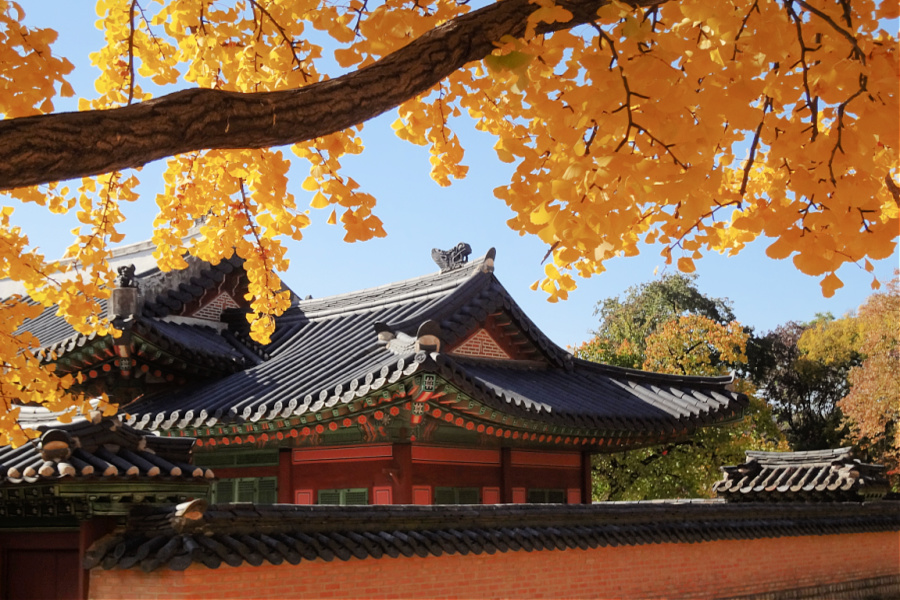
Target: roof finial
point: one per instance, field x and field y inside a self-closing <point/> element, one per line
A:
<point x="126" y="277"/>
<point x="451" y="259"/>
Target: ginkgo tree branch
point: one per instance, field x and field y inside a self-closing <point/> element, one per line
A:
<point x="61" y="146"/>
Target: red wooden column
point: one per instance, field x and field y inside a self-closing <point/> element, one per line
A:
<point x="401" y="474"/>
<point x="90" y="531"/>
<point x="285" y="478"/>
<point x="587" y="484"/>
<point x="506" y="479"/>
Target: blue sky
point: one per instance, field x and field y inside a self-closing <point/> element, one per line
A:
<point x="420" y="215"/>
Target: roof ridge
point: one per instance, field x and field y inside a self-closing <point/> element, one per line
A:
<point x="652" y="375"/>
<point x="141" y="246"/>
<point x="825" y="455"/>
<point x="447" y="280"/>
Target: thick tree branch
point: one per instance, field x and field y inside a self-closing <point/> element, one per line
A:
<point x="61" y="146"/>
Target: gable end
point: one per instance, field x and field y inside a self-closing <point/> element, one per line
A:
<point x="212" y="310"/>
<point x="481" y="345"/>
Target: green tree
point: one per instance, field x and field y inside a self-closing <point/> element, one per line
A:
<point x="669" y="326"/>
<point x="626" y="323"/>
<point x="803" y="387"/>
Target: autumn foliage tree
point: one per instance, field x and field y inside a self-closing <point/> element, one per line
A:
<point x="693" y="125"/>
<point x="872" y="408"/>
<point x="801" y="384"/>
<point x="627" y="323"/>
<point x="669" y="326"/>
<point x="869" y="401"/>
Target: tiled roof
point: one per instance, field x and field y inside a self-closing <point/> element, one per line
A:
<point x="199" y="344"/>
<point x="55" y="334"/>
<point x="139" y="254"/>
<point x="184" y="347"/>
<point x="819" y="475"/>
<point x="605" y="397"/>
<point x="195" y="341"/>
<point x="326" y="352"/>
<point x="176" y="538"/>
<point x="172" y="299"/>
<point x="102" y="448"/>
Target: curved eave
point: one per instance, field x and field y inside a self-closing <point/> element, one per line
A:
<point x="677" y="414"/>
<point x="146" y="337"/>
<point x="331" y="397"/>
<point x="343" y="404"/>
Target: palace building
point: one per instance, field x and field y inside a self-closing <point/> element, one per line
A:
<point x="401" y="400"/>
<point x="433" y="390"/>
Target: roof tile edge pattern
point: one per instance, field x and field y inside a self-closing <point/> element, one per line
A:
<point x="811" y="476"/>
<point x="239" y="533"/>
<point x="95" y="449"/>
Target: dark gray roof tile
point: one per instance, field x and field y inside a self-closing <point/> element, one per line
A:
<point x="100" y="449"/>
<point x="243" y="533"/>
<point x="819" y="475"/>
<point x="325" y="352"/>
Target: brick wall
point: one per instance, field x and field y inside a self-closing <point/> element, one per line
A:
<point x="704" y="570"/>
<point x="481" y="345"/>
<point x="212" y="310"/>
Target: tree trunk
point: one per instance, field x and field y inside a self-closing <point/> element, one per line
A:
<point x="61" y="146"/>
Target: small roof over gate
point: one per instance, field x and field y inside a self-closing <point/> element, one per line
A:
<point x="811" y="476"/>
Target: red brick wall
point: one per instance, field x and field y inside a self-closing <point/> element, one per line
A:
<point x="482" y="345"/>
<point x="212" y="310"/>
<point x="709" y="569"/>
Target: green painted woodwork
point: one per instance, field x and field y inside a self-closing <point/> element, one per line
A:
<point x="546" y="496"/>
<point x="39" y="524"/>
<point x="457" y="495"/>
<point x="236" y="457"/>
<point x="258" y="490"/>
<point x="80" y="499"/>
<point x="344" y="497"/>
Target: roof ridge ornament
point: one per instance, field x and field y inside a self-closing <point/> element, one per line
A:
<point x="126" y="276"/>
<point x="487" y="266"/>
<point x="124" y="297"/>
<point x="55" y="445"/>
<point x="454" y="258"/>
<point x="428" y="337"/>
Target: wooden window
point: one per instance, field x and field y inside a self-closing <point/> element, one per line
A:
<point x="344" y="497"/>
<point x="246" y="490"/>
<point x="457" y="495"/>
<point x="222" y="492"/>
<point x="541" y="496"/>
<point x="267" y="490"/>
<point x="490" y="495"/>
<point x="421" y="494"/>
<point x="259" y="490"/>
<point x="382" y="495"/>
<point x="519" y="496"/>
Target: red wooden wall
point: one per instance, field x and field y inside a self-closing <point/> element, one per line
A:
<point x="395" y="471"/>
<point x="39" y="565"/>
<point x="408" y="473"/>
